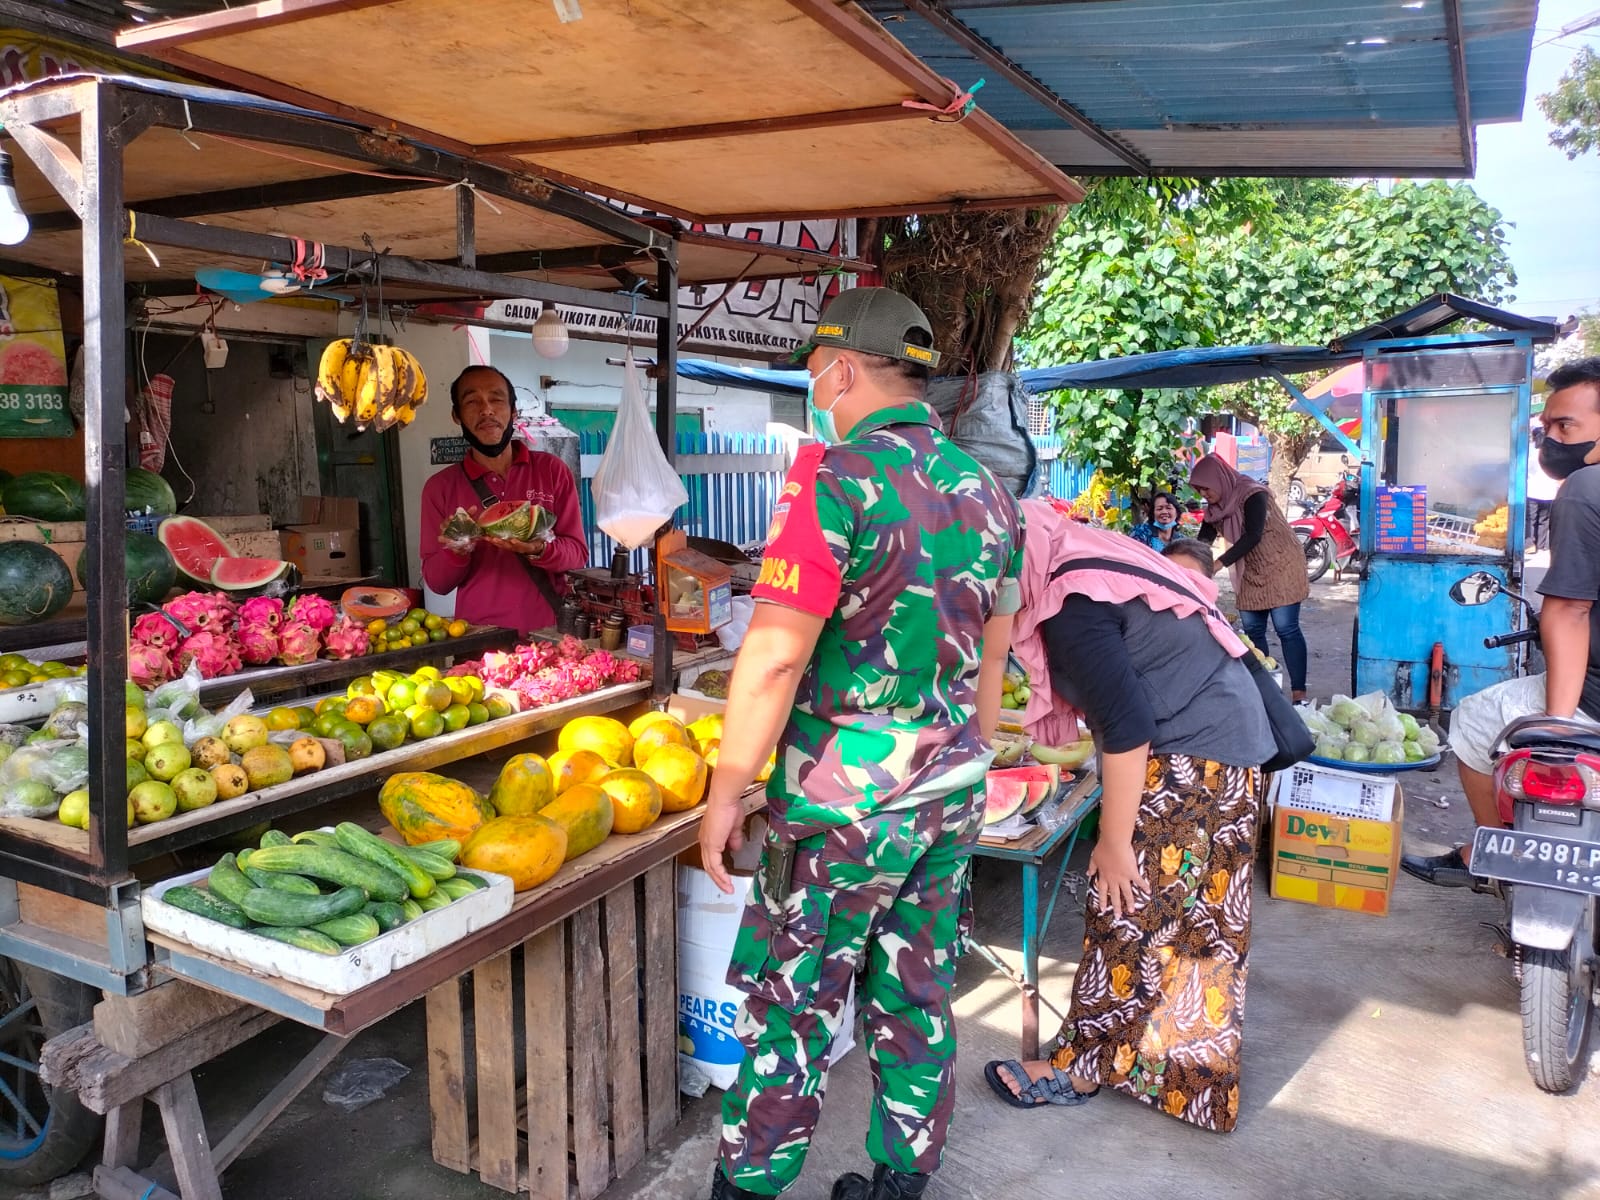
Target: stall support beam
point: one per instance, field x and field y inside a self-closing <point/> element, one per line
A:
<point x="1312" y="408"/>
<point x="466" y="228"/>
<point x="105" y="453"/>
<point x="666" y="376"/>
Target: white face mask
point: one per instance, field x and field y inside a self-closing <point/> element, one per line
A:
<point x="823" y="427"/>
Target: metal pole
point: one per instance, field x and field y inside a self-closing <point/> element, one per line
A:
<point x="105" y="450"/>
<point x="666" y="371"/>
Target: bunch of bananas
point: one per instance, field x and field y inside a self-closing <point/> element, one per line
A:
<point x="377" y="385"/>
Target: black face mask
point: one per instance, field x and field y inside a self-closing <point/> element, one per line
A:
<point x="1560" y="459"/>
<point x="490" y="449"/>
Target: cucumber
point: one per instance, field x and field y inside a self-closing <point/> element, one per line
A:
<point x="295" y="885"/>
<point x="386" y="913"/>
<point x="478" y="882"/>
<point x="445" y="848"/>
<point x="458" y="887"/>
<point x="268" y="906"/>
<point x="411" y="909"/>
<point x="204" y="904"/>
<point x="350" y="930"/>
<point x="306" y="939"/>
<point x="436" y="901"/>
<point x="316" y="837"/>
<point x="227" y="881"/>
<point x="275" y="837"/>
<point x="335" y="866"/>
<point x="357" y="841"/>
<point x="243" y="857"/>
<point x="436" y="865"/>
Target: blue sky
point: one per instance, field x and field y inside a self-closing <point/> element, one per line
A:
<point x="1554" y="203"/>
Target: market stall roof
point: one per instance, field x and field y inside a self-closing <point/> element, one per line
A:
<point x="1440" y="312"/>
<point x="718" y="110"/>
<point x="1267" y="87"/>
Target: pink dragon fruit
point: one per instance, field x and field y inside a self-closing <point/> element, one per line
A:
<point x="311" y="609"/>
<point x="149" y="665"/>
<point x="571" y="649"/>
<point x="155" y="629"/>
<point x="214" y="652"/>
<point x="202" y="610"/>
<point x="297" y="642"/>
<point x="259" y="620"/>
<point x="346" y="638"/>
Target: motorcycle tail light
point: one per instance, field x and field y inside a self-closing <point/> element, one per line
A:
<point x="1526" y="778"/>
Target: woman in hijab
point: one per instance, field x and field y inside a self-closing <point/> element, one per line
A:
<point x="1264" y="558"/>
<point x="1134" y="643"/>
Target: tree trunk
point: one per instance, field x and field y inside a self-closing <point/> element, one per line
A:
<point x="1289" y="450"/>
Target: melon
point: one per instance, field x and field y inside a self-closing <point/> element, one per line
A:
<point x="1003" y="798"/>
<point x="45" y="496"/>
<point x="366" y="604"/>
<point x="508" y="520"/>
<point x="194" y="546"/>
<point x="147" y="492"/>
<point x="247" y="574"/>
<point x="150" y="570"/>
<point x="1041" y="783"/>
<point x="34" y="583"/>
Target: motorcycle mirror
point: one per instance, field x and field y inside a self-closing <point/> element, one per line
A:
<point x="1344" y="460"/>
<point x="1478" y="588"/>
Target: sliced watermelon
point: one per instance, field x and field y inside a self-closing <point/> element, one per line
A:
<point x="1039" y="783"/>
<point x="246" y="574"/>
<point x="374" y="603"/>
<point x="1003" y="798"/>
<point x="194" y="546"/>
<point x="508" y="520"/>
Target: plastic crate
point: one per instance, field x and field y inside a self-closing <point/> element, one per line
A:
<point x="142" y="523"/>
<point x="1335" y="793"/>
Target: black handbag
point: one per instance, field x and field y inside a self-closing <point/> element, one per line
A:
<point x="1289" y="733"/>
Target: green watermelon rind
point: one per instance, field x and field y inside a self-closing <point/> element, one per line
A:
<point x="515" y="520"/>
<point x="150" y="569"/>
<point x="35" y="583"/>
<point x="147" y="492"/>
<point x="173" y="526"/>
<point x="268" y="570"/>
<point x="45" y="496"/>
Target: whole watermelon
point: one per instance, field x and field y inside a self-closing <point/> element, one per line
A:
<point x="151" y="571"/>
<point x="149" y="493"/>
<point x="34" y="583"/>
<point x="45" y="496"/>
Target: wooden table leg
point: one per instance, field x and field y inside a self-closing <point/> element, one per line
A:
<point x="1030" y="962"/>
<point x="123" y="1125"/>
<point x="186" y="1139"/>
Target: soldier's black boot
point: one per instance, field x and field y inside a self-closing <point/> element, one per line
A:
<point x="723" y="1189"/>
<point x="884" y="1185"/>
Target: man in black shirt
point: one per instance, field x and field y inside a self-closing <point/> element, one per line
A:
<point x="1569" y="620"/>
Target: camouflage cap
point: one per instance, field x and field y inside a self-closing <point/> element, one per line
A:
<point x="873" y="320"/>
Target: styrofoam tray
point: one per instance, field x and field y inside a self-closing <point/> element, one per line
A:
<point x="29" y="702"/>
<point x="357" y="966"/>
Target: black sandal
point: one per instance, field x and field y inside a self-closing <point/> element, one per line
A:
<point x="1055" y="1088"/>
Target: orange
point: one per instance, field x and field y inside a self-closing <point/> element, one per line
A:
<point x="456" y="628"/>
<point x="363" y="710"/>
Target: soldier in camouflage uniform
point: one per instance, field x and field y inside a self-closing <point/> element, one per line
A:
<point x="876" y="653"/>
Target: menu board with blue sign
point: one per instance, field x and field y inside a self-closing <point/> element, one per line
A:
<point x="1403" y="519"/>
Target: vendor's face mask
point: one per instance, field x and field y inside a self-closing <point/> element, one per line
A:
<point x="823" y="427"/>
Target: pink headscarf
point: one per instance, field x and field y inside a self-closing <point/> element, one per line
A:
<point x="1232" y="489"/>
<point x="1053" y="540"/>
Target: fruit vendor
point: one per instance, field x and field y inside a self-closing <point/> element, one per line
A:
<point x="874" y="662"/>
<point x="499" y="580"/>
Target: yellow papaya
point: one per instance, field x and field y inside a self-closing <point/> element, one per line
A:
<point x="528" y="849"/>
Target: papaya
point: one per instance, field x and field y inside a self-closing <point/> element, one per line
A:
<point x="681" y="775"/>
<point x="524" y="787"/>
<point x="657" y="735"/>
<point x="642" y="722"/>
<point x="608" y="738"/>
<point x="569" y="768"/>
<point x="586" y="813"/>
<point x="527" y="849"/>
<point x="635" y="797"/>
<point x="424" y="807"/>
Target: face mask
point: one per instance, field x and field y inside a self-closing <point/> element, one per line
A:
<point x="1560" y="459"/>
<point x="487" y="449"/>
<point x="823" y="426"/>
<point x="1165" y="524"/>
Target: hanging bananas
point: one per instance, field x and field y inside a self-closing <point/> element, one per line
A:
<point x="378" y="385"/>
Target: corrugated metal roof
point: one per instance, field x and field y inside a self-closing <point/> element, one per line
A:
<point x="1158" y="73"/>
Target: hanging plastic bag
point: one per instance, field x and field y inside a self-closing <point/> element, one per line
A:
<point x="212" y="724"/>
<point x="636" y="490"/>
<point x="178" y="700"/>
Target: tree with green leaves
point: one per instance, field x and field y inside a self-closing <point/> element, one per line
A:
<point x="1574" y="106"/>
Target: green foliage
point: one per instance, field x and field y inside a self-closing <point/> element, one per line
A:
<point x="1137" y="269"/>
<point x="1574" y="107"/>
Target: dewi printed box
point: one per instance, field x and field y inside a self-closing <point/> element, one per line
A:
<point x="1336" y="838"/>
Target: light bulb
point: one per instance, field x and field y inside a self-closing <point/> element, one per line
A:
<point x="550" y="333"/>
<point x="13" y="221"/>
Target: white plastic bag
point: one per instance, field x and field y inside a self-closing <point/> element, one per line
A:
<point x="636" y="490"/>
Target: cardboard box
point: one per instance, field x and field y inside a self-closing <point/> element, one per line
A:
<point x="1336" y="838"/>
<point x="325" y="543"/>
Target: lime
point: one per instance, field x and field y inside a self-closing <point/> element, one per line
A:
<point x="417" y="614"/>
<point x="436" y="696"/>
<point x="438" y="635"/>
<point x="427" y="672"/>
<point x="498" y="707"/>
<point x="355" y="740"/>
<point x="410" y="626"/>
<point x="363" y="710"/>
<point x="15" y="678"/>
<point x="133" y="693"/>
<point x="389" y="731"/>
<point x="477" y="713"/>
<point x="456" y="717"/>
<point x="280" y="719"/>
<point x="326" y="723"/>
<point x="11" y="662"/>
<point x="361" y="685"/>
<point x="434" y="621"/>
<point x="306" y="716"/>
<point x="426" y="722"/>
<point x="402" y="695"/>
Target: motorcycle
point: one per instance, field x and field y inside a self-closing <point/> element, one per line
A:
<point x="1546" y="860"/>
<point x="1328" y="535"/>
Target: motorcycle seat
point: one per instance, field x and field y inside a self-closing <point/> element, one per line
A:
<point x="1532" y="733"/>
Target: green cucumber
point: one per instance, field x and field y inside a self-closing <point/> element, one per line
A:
<point x="243" y="857"/>
<point x="445" y="848"/>
<point x="411" y="908"/>
<point x="275" y="837"/>
<point x="431" y="903"/>
<point x="355" y="840"/>
<point x="478" y="882"/>
<point x="386" y="913"/>
<point x="458" y="887"/>
<point x="351" y="929"/>
<point x="316" y="837"/>
<point x="268" y="906"/>
<point x="295" y="885"/>
<point x="335" y="866"/>
<point x="227" y="881"/>
<point x="203" y="904"/>
<point x="436" y="865"/>
<point x="305" y="939"/>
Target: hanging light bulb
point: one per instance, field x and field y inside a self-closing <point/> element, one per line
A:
<point x="550" y="333"/>
<point x="13" y="221"/>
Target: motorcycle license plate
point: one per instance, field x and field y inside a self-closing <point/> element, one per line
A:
<point x="1560" y="863"/>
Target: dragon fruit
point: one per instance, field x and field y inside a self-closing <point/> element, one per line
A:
<point x="202" y="610"/>
<point x="311" y="609"/>
<point x="298" y="642"/>
<point x="149" y="665"/>
<point x="571" y="649"/>
<point x="259" y="620"/>
<point x="346" y="638"/>
<point x="156" y="629"/>
<point x="215" y="653"/>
